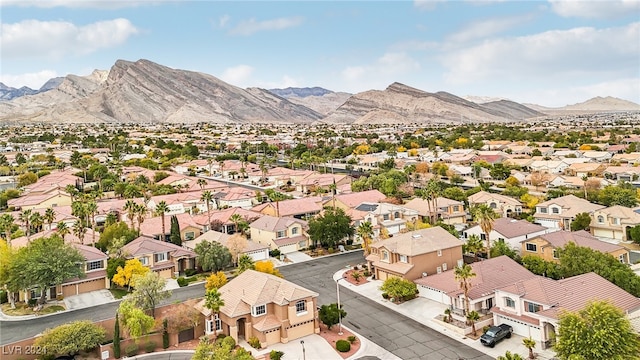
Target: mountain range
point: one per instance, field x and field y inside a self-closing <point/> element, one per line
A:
<point x="146" y="92"/>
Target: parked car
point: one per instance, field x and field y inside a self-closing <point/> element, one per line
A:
<point x="495" y="334"/>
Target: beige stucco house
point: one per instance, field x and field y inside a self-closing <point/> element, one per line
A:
<point x="162" y="257"/>
<point x="286" y="234"/>
<point x="614" y="222"/>
<point x="545" y="246"/>
<point x="558" y="213"/>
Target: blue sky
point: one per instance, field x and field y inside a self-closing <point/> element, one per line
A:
<point x="550" y="53"/>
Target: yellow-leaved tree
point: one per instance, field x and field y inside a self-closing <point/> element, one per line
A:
<point x="125" y="275"/>
<point x="267" y="267"/>
<point x="215" y="281"/>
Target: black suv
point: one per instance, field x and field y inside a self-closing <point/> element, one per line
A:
<point x="495" y="334"/>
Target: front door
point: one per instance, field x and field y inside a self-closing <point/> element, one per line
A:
<point x="489" y="303"/>
<point x="241" y="323"/>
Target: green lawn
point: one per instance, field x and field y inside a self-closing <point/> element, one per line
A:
<point x="118" y="293"/>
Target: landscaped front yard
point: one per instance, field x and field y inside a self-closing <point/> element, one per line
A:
<point x="24" y="309"/>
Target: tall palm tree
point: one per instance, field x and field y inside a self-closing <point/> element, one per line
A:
<point x="36" y="221"/>
<point x="207" y="197"/>
<point x="161" y="209"/>
<point x="213" y="301"/>
<point x="432" y="190"/>
<point x="585" y="178"/>
<point x="25" y="216"/>
<point x="529" y="343"/>
<point x="62" y="229"/>
<point x="49" y="216"/>
<point x="141" y="214"/>
<point x="463" y="275"/>
<point x="6" y="226"/>
<point x="79" y="230"/>
<point x="236" y="219"/>
<point x="365" y="231"/>
<point x="201" y="183"/>
<point x="130" y="208"/>
<point x="91" y="209"/>
<point x="472" y="317"/>
<point x="485" y="216"/>
<point x="473" y="245"/>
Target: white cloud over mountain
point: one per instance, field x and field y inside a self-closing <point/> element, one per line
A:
<point x="32" y="80"/>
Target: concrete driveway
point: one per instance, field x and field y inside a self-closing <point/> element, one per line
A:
<point x="89" y="299"/>
<point x="315" y="348"/>
<point x="298" y="256"/>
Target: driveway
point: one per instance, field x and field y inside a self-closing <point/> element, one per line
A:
<point x="297" y="257"/>
<point x="89" y="299"/>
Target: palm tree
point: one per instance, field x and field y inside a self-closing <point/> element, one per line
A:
<point x="473" y="245"/>
<point x="207" y="197"/>
<point x="79" y="230"/>
<point x="92" y="209"/>
<point x="584" y="185"/>
<point x="485" y="216"/>
<point x="510" y="356"/>
<point x="221" y="166"/>
<point x="25" y="216"/>
<point x="130" y="208"/>
<point x="236" y="219"/>
<point x="365" y="231"/>
<point x="49" y="216"/>
<point x="529" y="343"/>
<point x="431" y="192"/>
<point x="36" y="221"/>
<point x="161" y="209"/>
<point x="201" y="183"/>
<point x="79" y="210"/>
<point x="449" y="314"/>
<point x="213" y="301"/>
<point x="62" y="229"/>
<point x="463" y="275"/>
<point x="472" y="317"/>
<point x="6" y="226"/>
<point x="141" y="213"/>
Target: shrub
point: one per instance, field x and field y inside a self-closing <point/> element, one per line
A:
<point x="349" y="242"/>
<point x="275" y="355"/>
<point x="366" y="273"/>
<point x="356" y="275"/>
<point x="254" y="342"/>
<point x="220" y="336"/>
<point x="274" y="253"/>
<point x="182" y="281"/>
<point x="165" y="334"/>
<point x="190" y="272"/>
<point x="150" y="346"/>
<point x="343" y="345"/>
<point x="385" y="296"/>
<point x="330" y="250"/>
<point x="131" y="350"/>
<point x="352" y="339"/>
<point x="32" y="302"/>
<point x="3" y="297"/>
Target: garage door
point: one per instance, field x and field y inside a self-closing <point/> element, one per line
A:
<point x="69" y="290"/>
<point x="166" y="273"/>
<point x="434" y="295"/>
<point x="519" y="328"/>
<point x="300" y="330"/>
<point x="273" y="337"/>
<point x="93" y="285"/>
<point x="285" y="249"/>
<point x="382" y="275"/>
<point x="259" y="255"/>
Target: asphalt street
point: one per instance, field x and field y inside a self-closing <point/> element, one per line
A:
<point x="404" y="337"/>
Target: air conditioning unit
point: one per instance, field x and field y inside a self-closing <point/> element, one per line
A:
<point x="424" y="274"/>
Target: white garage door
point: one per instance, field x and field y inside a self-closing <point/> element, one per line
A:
<point x="285" y="249"/>
<point x="434" y="295"/>
<point x="520" y="328"/>
<point x="259" y="255"/>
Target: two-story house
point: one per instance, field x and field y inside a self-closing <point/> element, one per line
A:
<point x="614" y="222"/>
<point x="504" y="206"/>
<point x="545" y="246"/>
<point x="283" y="233"/>
<point x="532" y="306"/>
<point x="449" y="211"/>
<point x="303" y="208"/>
<point x="162" y="257"/>
<point x="512" y="231"/>
<point x="351" y="200"/>
<point x="415" y="254"/>
<point x="490" y="274"/>
<point x="392" y="218"/>
<point x="559" y="212"/>
<point x="265" y="306"/>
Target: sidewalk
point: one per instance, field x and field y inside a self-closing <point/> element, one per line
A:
<point x="424" y="311"/>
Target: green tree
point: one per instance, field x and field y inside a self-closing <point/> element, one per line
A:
<point x="331" y="227"/>
<point x="454" y="193"/>
<point x="581" y="222"/>
<point x="71" y="338"/>
<point x="623" y="194"/>
<point x="330" y="314"/>
<point x="472" y="317"/>
<point x="8" y="273"/>
<point x="600" y="331"/>
<point x="207" y="197"/>
<point x="530" y="344"/>
<point x="399" y="289"/>
<point x="473" y="245"/>
<point x="245" y="262"/>
<point x="47" y="261"/>
<point x="27" y="178"/>
<point x="222" y="349"/>
<point x="134" y="319"/>
<point x="509" y="355"/>
<point x="161" y="209"/>
<point x="130" y="207"/>
<point x="365" y="232"/>
<point x="539" y="266"/>
<point x="115" y="231"/>
<point x="174" y="232"/>
<point x="149" y="291"/>
<point x="463" y="275"/>
<point x="62" y="229"/>
<point x="500" y="247"/>
<point x="116" y="337"/>
<point x="499" y="172"/>
<point x="213" y="301"/>
<point x="49" y="216"/>
<point x="634" y="234"/>
<point x="212" y="256"/>
<point x="485" y="217"/>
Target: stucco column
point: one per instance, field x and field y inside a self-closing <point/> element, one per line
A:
<point x="233" y="332"/>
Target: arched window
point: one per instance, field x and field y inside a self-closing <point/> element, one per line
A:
<point x="600" y="219"/>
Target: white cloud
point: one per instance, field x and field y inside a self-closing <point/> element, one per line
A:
<point x="595" y="9"/>
<point x="223" y="20"/>
<point x="251" y="26"/>
<point x="31" y="38"/>
<point x="626" y="89"/>
<point x="486" y="28"/>
<point x="32" y="80"/>
<point x="553" y="55"/>
<point x="83" y="4"/>
<point x="238" y="75"/>
<point x="426" y="5"/>
<point x="379" y="74"/>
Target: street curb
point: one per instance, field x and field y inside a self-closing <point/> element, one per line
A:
<point x="161" y="352"/>
<point x="5" y="317"/>
<point x="322" y="257"/>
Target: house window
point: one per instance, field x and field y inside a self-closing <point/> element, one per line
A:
<point x="160" y="257"/>
<point x="439" y="252"/>
<point x="94" y="265"/>
<point x="403" y="258"/>
<point x="144" y="260"/>
<point x="600" y="219"/>
<point x="210" y="325"/>
<point x="189" y="235"/>
<point x="616" y="221"/>
<point x="444" y="266"/>
<point x="438" y="270"/>
<point x="531" y="247"/>
<point x="396" y="215"/>
<point x="385" y="217"/>
<point x="621" y="258"/>
<point x="493" y="205"/>
<point x="385" y="255"/>
<point x="555" y="210"/>
<point x="555" y="253"/>
<point x="280" y="234"/>
<point x="533" y="308"/>
<point x="508" y="302"/>
<point x="543" y="210"/>
<point x="294" y="231"/>
<point x="259" y="310"/>
<point x="301" y="306"/>
<point x="456" y="208"/>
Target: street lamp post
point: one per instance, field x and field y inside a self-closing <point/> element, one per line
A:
<point x="303" y="354"/>
<point x="339" y="308"/>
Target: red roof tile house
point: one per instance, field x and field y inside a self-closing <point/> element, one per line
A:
<point x="283" y="233"/>
<point x="532" y="306"/>
<point x="303" y="208"/>
<point x="162" y="257"/>
<point x="265" y="306"/>
<point x="449" y="211"/>
<point x="545" y="246"/>
<point x="510" y="230"/>
<point x="350" y="201"/>
<point x="415" y="254"/>
<point x="490" y="274"/>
